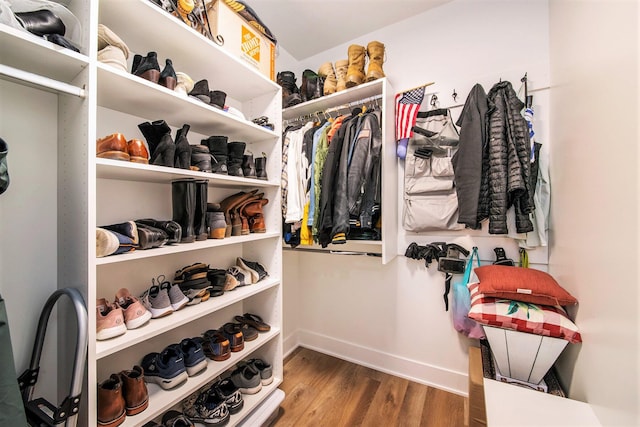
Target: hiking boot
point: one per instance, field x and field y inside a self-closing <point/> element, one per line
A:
<point x="375" y="52"/>
<point x="109" y="320"/>
<point x="330" y="81"/>
<point x="341" y="74"/>
<point x="290" y="91"/>
<point x="111" y="404"/>
<point x="136" y="395"/>
<point x="355" y="72"/>
<point x="247" y="379"/>
<point x="165" y="368"/>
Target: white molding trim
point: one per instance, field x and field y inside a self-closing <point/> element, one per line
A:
<point x="290" y="343"/>
<point x="433" y="376"/>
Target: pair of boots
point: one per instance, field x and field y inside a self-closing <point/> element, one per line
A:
<point x="290" y="92"/>
<point x="243" y="213"/>
<point x="163" y="151"/>
<point x="189" y="206"/>
<point x="349" y="73"/>
<point x="226" y="157"/>
<point x="148" y="68"/>
<point x="121" y="395"/>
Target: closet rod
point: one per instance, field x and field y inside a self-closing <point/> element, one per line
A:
<point x="328" y="251"/>
<point x="351" y="104"/>
<point x="41" y="81"/>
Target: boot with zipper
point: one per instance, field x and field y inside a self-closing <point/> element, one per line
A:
<point x="375" y="52"/>
<point x="330" y="82"/>
<point x="341" y="74"/>
<point x="355" y="72"/>
<point x="183" y="202"/>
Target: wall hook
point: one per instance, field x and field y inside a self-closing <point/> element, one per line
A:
<point x="434" y="100"/>
<point x="454" y="95"/>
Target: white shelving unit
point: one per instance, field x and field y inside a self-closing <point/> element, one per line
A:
<point x="82" y="192"/>
<point x="379" y="89"/>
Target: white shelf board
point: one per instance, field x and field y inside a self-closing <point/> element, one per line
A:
<point x="27" y="52"/>
<point x="185" y="247"/>
<point x="159" y="326"/>
<point x="188" y="314"/>
<point x="124" y="92"/>
<point x="269" y="398"/>
<point x="161" y="400"/>
<point x="130" y="171"/>
<point x="260" y="415"/>
<point x="146" y="27"/>
<point x="368" y="246"/>
<point x="357" y="93"/>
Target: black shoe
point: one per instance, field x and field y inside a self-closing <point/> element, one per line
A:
<point x="217" y="98"/>
<point x="248" y="166"/>
<point x="183" y="148"/>
<point x="172" y="228"/>
<point x="150" y="237"/>
<point x="146" y="67"/>
<point x="290" y="91"/>
<point x="261" y="167"/>
<point x="168" y="76"/>
<point x="201" y="157"/>
<point x="312" y="86"/>
<point x="201" y="91"/>
<point x="183" y="202"/>
<point x="234" y="159"/>
<point x="161" y="147"/>
<point x="219" y="152"/>
<point x="41" y="22"/>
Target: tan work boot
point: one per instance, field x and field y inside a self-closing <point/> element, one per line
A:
<point x="375" y="52"/>
<point x="330" y="82"/>
<point x="355" y="72"/>
<point x="341" y="74"/>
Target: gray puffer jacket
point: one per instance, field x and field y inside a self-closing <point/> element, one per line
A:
<point x="508" y="155"/>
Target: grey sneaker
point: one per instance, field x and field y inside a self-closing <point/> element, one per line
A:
<point x="256" y="269"/>
<point x="247" y="379"/>
<point x="266" y="371"/>
<point x="176" y="297"/>
<point x="156" y="300"/>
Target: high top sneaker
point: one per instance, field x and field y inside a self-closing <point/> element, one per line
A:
<point x="330" y="81"/>
<point x="341" y="74"/>
<point x="290" y="91"/>
<point x="375" y="52"/>
<point x="355" y="72"/>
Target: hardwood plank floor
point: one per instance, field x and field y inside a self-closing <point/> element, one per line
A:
<point x="322" y="390"/>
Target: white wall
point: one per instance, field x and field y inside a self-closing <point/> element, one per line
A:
<point x="392" y="317"/>
<point x="594" y="253"/>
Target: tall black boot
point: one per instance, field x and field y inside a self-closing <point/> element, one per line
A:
<point x="183" y="149"/>
<point x="161" y="147"/>
<point x="183" y="198"/>
<point x="234" y="159"/>
<point x="200" y="220"/>
<point x="218" y="149"/>
<point x="248" y="166"/>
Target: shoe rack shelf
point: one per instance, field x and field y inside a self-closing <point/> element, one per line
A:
<point x="185" y="315"/>
<point x="129" y="94"/>
<point x="345" y="101"/>
<point x="53" y="163"/>
<point x="37" y="62"/>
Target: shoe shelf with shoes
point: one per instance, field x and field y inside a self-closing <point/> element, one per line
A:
<point x="115" y="169"/>
<point x="158" y="326"/>
<point x="161" y="400"/>
<point x="34" y="60"/>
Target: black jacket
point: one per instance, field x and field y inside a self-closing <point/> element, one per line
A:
<point x="508" y="153"/>
<point x="467" y="161"/>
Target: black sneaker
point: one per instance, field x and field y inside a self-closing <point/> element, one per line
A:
<point x="208" y="408"/>
<point x="230" y="393"/>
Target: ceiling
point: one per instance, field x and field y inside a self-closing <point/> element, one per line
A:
<point x="307" y="27"/>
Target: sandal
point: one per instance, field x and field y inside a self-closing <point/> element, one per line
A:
<point x="255" y="321"/>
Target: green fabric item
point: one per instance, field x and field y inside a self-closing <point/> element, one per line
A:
<point x="11" y="407"/>
<point x="321" y="155"/>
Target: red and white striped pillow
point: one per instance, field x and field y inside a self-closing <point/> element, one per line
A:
<point x="551" y="321"/>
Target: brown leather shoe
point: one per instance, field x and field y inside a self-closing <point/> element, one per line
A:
<point x="111" y="405"/>
<point x="242" y="216"/>
<point x="113" y="146"/>
<point x="228" y="206"/>
<point x="253" y="211"/>
<point x="137" y="151"/>
<point x="136" y="396"/>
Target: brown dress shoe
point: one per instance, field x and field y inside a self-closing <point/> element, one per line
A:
<point x="113" y="146"/>
<point x="136" y="396"/>
<point x="111" y="405"/>
<point x="137" y="151"/>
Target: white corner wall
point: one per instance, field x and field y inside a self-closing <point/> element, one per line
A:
<point x="595" y="195"/>
<point x="392" y="317"/>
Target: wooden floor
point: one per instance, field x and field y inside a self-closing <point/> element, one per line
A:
<point x="322" y="390"/>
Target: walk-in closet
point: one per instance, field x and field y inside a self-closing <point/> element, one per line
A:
<point x="270" y="289"/>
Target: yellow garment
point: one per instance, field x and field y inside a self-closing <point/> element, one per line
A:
<point x="306" y="238"/>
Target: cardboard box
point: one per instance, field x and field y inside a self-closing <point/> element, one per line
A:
<point x="241" y="38"/>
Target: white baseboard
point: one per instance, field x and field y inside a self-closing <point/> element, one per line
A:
<point x="433" y="376"/>
<point x="290" y="343"/>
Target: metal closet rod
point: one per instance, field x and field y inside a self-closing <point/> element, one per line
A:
<point x="42" y="81"/>
<point x="332" y="109"/>
<point x="329" y="251"/>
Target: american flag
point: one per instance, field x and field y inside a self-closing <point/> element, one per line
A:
<point x="407" y="106"/>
